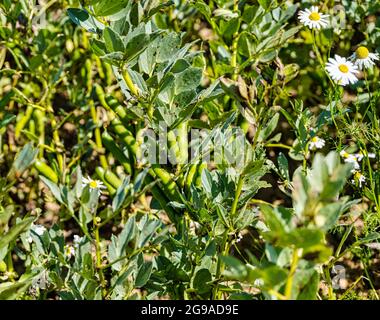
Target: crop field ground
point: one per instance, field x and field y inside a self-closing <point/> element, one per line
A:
<point x="189" y="150"/>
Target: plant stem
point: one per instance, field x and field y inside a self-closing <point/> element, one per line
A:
<point x="234" y="46"/>
<point x="99" y="261"/>
<point x="225" y="245"/>
<point x="57" y="141"/>
<point x="237" y="195"/>
<point x="329" y="284"/>
<point x="219" y="266"/>
<point x="293" y="267"/>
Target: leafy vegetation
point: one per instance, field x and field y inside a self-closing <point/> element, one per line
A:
<point x="189" y="149"/>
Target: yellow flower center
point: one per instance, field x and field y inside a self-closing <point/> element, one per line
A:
<point x="343" y="68"/>
<point x="314" y="16"/>
<point x="314" y="139"/>
<point x="362" y="52"/>
<point x="358" y="175"/>
<point x="93" y="184"/>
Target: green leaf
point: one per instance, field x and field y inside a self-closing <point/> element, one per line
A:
<point x="13" y="290"/>
<point x="283" y="166"/>
<point x="128" y="234"/>
<point x="188" y="79"/>
<point x="328" y="215"/>
<point x="114" y="58"/>
<point x="207" y="182"/>
<point x="121" y="194"/>
<point x="136" y="45"/>
<point x="272" y="277"/>
<point x="265" y="3"/>
<point x="8" y="118"/>
<point x="305" y="285"/>
<point x="201" y="282"/>
<point x="5" y="215"/>
<point x="147" y="231"/>
<point x="273" y="219"/>
<point x="24" y="159"/>
<point x="98" y="47"/>
<point x="229" y="27"/>
<point x="106" y="8"/>
<point x="235" y="268"/>
<point x="54" y="188"/>
<point x="13" y="233"/>
<point x="113" y="41"/>
<point x="143" y="274"/>
<point x="269" y="128"/>
<point x="168" y="47"/>
<point x="83" y="19"/>
<point x="304" y="238"/>
<point x="369" y="238"/>
<point x="204" y="9"/>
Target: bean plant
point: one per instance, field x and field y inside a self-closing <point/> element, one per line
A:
<point x="197" y="150"/>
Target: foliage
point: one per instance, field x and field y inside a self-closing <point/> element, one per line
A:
<point x="267" y="214"/>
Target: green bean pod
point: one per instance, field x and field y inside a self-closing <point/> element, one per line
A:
<point x="183" y="143"/>
<point x="174" y="152"/>
<point x="32" y="127"/>
<point x="112" y="147"/>
<point x="118" y="109"/>
<point x="46" y="171"/>
<point x="198" y="178"/>
<point x="109" y="73"/>
<point x="23" y="121"/>
<point x="101" y="96"/>
<point x="126" y="136"/>
<point x="99" y="66"/>
<point x="163" y="201"/>
<point x="101" y="172"/>
<point x="88" y="67"/>
<point x="112" y="179"/>
<point x="112" y="104"/>
<point x="98" y="138"/>
<point x="131" y="86"/>
<point x="85" y="42"/>
<point x="169" y="186"/>
<point x="190" y="177"/>
<point x="39" y="118"/>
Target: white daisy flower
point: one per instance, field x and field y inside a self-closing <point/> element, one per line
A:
<point x="358" y="179"/>
<point x="69" y="251"/>
<point x="312" y="18"/>
<point x="349" y="158"/>
<point x="93" y="185"/>
<point x="363" y="58"/>
<point x="39" y="229"/>
<point x="316" y="143"/>
<point x="341" y="70"/>
<point x="359" y="156"/>
<point x="77" y="239"/>
<point x="239" y="237"/>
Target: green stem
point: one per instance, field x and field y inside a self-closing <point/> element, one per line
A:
<point x="99" y="261"/>
<point x="237" y="195"/>
<point x="293" y="267"/>
<point x="219" y="266"/>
